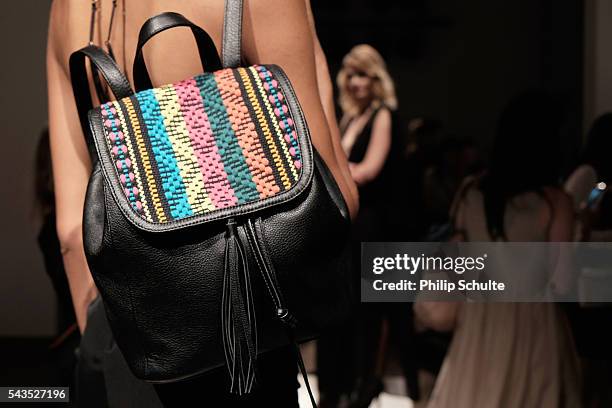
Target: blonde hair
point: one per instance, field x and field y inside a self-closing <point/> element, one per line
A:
<point x="365" y="58"/>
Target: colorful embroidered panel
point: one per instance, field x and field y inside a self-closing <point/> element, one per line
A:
<point x="210" y="142"/>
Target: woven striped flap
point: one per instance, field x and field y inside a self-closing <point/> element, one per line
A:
<point x="214" y="145"/>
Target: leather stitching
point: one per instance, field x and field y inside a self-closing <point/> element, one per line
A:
<point x="266" y="258"/>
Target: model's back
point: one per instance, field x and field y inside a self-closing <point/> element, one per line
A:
<point x="274" y="32"/>
<point x="173" y="54"/>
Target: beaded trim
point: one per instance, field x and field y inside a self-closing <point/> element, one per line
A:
<point x="209" y="142"/>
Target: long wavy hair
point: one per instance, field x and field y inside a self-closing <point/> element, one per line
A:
<point x="365" y="58"/>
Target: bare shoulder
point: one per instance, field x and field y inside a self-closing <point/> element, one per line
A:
<point x="560" y="200"/>
<point x="468" y="191"/>
<point x="277" y="31"/>
<point x="381" y="124"/>
<point x="585" y="172"/>
<point x="584" y="175"/>
<point x="383" y="116"/>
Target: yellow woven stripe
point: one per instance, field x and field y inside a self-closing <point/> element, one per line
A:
<point x="279" y="134"/>
<point x="134" y="158"/>
<point x="186" y="159"/>
<point x="146" y="163"/>
<point x="278" y="163"/>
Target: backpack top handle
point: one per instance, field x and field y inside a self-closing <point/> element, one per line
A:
<point x="231" y="49"/>
<point x="157" y="24"/>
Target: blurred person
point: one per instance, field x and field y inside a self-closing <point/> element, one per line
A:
<point x="590" y="180"/>
<point x="408" y="177"/>
<point x="424" y="135"/>
<point x="351" y="359"/>
<point x="514" y="354"/>
<point x="589" y="185"/>
<point x="69" y="27"/>
<point x="367" y="99"/>
<point x="451" y="162"/>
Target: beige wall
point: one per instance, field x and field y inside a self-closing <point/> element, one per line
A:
<point x="27" y="305"/>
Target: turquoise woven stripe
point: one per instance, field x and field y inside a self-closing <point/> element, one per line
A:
<point x="172" y="182"/>
<point x="237" y="170"/>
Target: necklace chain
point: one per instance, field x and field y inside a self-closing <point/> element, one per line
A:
<point x="95" y="7"/>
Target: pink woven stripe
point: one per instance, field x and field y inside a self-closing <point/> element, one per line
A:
<point x="203" y="143"/>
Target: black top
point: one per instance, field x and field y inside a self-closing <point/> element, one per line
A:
<point x="377" y="191"/>
<point x="360" y="147"/>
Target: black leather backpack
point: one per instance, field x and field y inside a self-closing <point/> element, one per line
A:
<point x="212" y="228"/>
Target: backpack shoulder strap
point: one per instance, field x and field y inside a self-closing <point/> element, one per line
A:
<point x="104" y="64"/>
<point x="232" y="34"/>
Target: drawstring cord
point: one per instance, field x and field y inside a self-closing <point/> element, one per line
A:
<point x="254" y="236"/>
<point x="239" y="328"/>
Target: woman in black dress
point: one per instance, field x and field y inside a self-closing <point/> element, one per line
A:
<point x="351" y="359"/>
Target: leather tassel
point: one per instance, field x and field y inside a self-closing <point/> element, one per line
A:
<point x="238" y="315"/>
